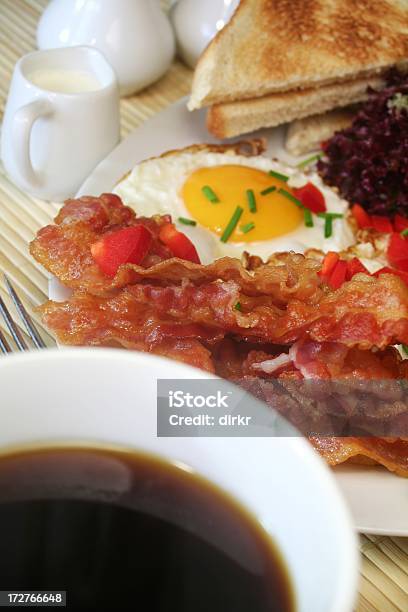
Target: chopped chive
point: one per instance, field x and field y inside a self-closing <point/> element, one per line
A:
<point x="308" y="217"/>
<point x="232" y="224"/>
<point x="328" y="223"/>
<point x="309" y="160"/>
<point x="405" y="348"/>
<point x="209" y="194"/>
<point x="291" y="197"/>
<point x="251" y="200"/>
<point x="328" y="227"/>
<point x="404" y="232"/>
<point x="185" y="221"/>
<point x="268" y="190"/>
<point x="278" y="175"/>
<point x="238" y="306"/>
<point x="247" y="228"/>
<point x="331" y="215"/>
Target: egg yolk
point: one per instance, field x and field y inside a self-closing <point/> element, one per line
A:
<point x="275" y="214"/>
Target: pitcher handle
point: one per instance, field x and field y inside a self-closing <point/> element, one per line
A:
<point x="23" y="121"/>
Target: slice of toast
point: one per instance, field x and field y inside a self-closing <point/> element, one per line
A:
<point x="235" y="118"/>
<point x="305" y="135"/>
<point x="279" y="45"/>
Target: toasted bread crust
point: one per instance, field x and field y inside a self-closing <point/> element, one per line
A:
<point x="278" y="45"/>
<point x="306" y="134"/>
<point x="235" y="118"/>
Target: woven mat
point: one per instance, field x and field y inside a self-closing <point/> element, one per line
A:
<point x="384" y="573"/>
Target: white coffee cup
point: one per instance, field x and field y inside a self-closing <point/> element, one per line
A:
<point x="61" y="119"/>
<point x="105" y="397"/>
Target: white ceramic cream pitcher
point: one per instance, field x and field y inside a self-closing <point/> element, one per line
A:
<point x="61" y="119"/>
<point x="134" y="35"/>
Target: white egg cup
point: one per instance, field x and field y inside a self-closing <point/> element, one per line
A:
<point x="134" y="35"/>
<point x="196" y="23"/>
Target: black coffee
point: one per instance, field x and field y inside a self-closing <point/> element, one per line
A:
<point x="126" y="531"/>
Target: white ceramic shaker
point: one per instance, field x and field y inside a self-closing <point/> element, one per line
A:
<point x="134" y="35"/>
<point x="196" y="22"/>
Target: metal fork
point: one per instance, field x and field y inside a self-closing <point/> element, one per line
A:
<point x="13" y="327"/>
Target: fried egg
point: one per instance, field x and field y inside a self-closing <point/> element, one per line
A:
<point x="202" y="189"/>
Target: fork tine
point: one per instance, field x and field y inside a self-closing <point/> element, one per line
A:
<point x="4" y="345"/>
<point x="24" y="316"/>
<point x="12" y="327"/>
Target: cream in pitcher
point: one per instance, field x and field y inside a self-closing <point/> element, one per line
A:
<point x="61" y="120"/>
<point x="64" y="81"/>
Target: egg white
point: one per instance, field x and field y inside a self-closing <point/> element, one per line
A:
<point x="154" y="187"/>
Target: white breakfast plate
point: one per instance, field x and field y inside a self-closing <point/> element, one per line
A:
<point x="378" y="499"/>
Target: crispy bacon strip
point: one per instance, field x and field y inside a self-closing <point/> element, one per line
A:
<point x="351" y="316"/>
<point x="96" y="321"/>
<point x="108" y="209"/>
<point x="364" y="312"/>
<point x="287" y="277"/>
<point x="64" y="248"/>
<point x="392" y="453"/>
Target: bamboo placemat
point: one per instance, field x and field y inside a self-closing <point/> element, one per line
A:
<point x="384" y="572"/>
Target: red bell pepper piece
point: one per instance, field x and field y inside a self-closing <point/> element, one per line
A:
<point x="338" y="276"/>
<point x="400" y="223"/>
<point x="382" y="224"/>
<point x="178" y="243"/>
<point x="128" y="245"/>
<point x="329" y="263"/>
<point x="387" y="270"/>
<point x="361" y="216"/>
<point x="397" y="252"/>
<point x="354" y="266"/>
<point x="311" y="197"/>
